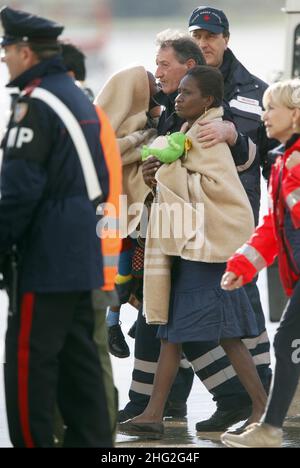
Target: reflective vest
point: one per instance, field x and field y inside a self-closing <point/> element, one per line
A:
<point x="110" y="238"/>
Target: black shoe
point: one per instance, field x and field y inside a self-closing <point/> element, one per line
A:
<point x="175" y="409"/>
<point x="116" y="342"/>
<point x="124" y="415"/>
<point x="132" y="330"/>
<point x="221" y="420"/>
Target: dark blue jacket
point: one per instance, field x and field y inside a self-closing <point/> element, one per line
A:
<point x="44" y="208"/>
<point x="244" y="92"/>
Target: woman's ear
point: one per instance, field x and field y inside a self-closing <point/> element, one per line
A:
<point x="209" y="101"/>
<point x="296" y="119"/>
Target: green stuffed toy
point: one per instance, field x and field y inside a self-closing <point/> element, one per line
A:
<point x="175" y="147"/>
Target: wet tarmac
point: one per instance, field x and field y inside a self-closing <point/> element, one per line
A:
<point x="200" y="405"/>
<point x="183" y="434"/>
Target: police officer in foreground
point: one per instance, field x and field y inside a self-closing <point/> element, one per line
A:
<point x="53" y="176"/>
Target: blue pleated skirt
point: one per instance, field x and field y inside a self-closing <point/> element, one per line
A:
<point x="201" y="311"/>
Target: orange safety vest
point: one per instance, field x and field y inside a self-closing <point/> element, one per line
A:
<point x="111" y="241"/>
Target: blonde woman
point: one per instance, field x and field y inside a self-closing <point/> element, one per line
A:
<point x="278" y="236"/>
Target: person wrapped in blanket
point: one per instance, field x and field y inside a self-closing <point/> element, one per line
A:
<point x="134" y="116"/>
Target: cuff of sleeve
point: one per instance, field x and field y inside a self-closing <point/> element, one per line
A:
<point x="239" y="265"/>
<point x="236" y="138"/>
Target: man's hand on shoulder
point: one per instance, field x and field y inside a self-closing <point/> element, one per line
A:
<point x="211" y="133"/>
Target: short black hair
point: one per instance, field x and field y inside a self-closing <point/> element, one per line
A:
<point x="74" y="60"/>
<point x="209" y="81"/>
<point x="44" y="50"/>
<point x="185" y="48"/>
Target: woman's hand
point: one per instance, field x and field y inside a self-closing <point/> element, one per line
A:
<point x="293" y="160"/>
<point x="149" y="169"/>
<point x="231" y="281"/>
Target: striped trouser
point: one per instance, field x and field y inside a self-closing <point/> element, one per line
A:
<point x="214" y="369"/>
<point x="208" y="359"/>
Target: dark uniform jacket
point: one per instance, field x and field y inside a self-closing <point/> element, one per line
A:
<point x="244" y="92"/>
<point x="45" y="208"/>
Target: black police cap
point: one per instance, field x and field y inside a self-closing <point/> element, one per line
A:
<point x="20" y="26"/>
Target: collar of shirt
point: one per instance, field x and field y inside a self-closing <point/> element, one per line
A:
<point x="45" y="67"/>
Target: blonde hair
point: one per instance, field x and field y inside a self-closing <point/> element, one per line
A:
<point x="284" y="93"/>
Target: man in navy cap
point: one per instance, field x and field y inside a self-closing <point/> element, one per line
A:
<point x="209" y="27"/>
<point x="53" y="176"/>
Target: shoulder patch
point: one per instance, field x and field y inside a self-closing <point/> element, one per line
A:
<point x="20" y="111"/>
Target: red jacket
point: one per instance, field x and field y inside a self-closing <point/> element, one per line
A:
<point x="270" y="239"/>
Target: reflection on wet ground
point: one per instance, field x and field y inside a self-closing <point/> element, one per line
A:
<point x="182" y="434"/>
<point x="177" y="434"/>
<point x="292" y="432"/>
<point x="200" y="407"/>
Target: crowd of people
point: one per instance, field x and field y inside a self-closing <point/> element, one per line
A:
<point x="187" y="256"/>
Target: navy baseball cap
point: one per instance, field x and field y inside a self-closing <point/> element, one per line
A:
<point x="210" y="19"/>
<point x="20" y="26"/>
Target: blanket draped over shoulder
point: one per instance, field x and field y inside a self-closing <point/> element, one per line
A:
<point x="201" y="213"/>
<point x="125" y="99"/>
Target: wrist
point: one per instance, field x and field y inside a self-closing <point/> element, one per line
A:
<point x="232" y="134"/>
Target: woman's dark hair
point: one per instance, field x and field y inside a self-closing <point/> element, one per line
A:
<point x="209" y="81"/>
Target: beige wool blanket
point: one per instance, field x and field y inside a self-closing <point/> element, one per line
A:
<point x="201" y="213"/>
<point x="125" y="99"/>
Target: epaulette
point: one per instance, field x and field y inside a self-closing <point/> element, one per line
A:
<point x="31" y="87"/>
